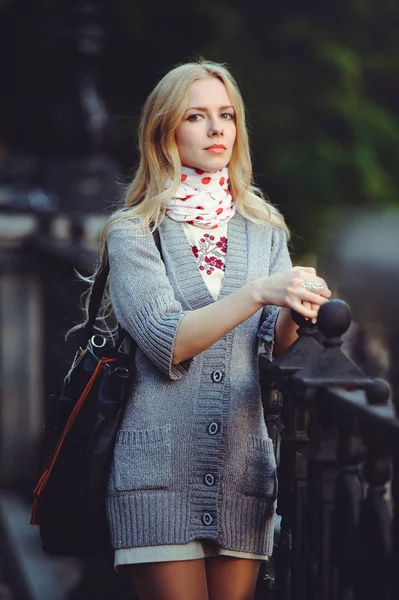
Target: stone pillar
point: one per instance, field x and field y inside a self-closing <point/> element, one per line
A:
<point x="21" y="390"/>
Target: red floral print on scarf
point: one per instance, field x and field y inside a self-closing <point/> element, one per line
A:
<point x="210" y="253"/>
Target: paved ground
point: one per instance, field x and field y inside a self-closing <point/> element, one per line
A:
<point x="33" y="574"/>
<point x="27" y="573"/>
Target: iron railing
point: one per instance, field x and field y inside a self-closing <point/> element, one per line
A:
<point x="336" y="437"/>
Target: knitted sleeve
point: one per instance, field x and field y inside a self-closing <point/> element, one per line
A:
<point x="143" y="298"/>
<point x="280" y="261"/>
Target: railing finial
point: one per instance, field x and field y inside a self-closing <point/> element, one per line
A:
<point x="378" y="392"/>
<point x="334" y="319"/>
<point x="331" y="367"/>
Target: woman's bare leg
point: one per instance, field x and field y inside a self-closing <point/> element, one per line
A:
<point x="173" y="580"/>
<point x="231" y="578"/>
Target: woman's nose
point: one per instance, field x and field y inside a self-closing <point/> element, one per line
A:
<point x="216" y="129"/>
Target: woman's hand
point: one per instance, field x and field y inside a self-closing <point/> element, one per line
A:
<point x="286" y="289"/>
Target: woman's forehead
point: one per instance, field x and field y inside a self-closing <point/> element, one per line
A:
<point x="208" y="93"/>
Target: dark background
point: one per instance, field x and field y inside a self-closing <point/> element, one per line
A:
<point x="319" y="80"/>
<point x="320" y="83"/>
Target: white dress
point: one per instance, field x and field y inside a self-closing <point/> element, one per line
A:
<point x="209" y="248"/>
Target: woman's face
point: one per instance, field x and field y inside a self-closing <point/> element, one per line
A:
<point x="207" y="132"/>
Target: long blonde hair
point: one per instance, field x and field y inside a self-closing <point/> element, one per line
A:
<point x="159" y="160"/>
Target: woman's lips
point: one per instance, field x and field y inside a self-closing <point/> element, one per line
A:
<point x="216" y="149"/>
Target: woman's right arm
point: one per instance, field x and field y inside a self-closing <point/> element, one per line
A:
<point x="145" y="305"/>
<point x="201" y="328"/>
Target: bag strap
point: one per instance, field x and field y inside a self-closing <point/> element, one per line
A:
<point x="48" y="468"/>
<point x="97" y="293"/>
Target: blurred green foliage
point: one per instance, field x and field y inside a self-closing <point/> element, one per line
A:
<point x="319" y="80"/>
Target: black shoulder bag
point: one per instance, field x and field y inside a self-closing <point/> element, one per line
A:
<point x="80" y="431"/>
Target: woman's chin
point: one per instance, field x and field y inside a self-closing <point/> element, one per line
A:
<point x="206" y="167"/>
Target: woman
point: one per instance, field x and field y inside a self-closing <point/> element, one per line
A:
<point x="192" y="489"/>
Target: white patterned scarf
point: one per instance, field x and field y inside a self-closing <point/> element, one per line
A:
<point x="202" y="199"/>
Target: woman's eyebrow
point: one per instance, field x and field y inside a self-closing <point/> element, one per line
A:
<point x="204" y="109"/>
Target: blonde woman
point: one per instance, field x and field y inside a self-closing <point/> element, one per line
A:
<point x="192" y="488"/>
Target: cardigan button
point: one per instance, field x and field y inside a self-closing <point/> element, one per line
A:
<point x="209" y="479"/>
<point x="217" y="376"/>
<point x="207" y="519"/>
<point x="213" y="428"/>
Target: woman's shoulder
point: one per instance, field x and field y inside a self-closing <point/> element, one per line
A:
<point x="127" y="233"/>
<point x="124" y="223"/>
<point x="266" y="229"/>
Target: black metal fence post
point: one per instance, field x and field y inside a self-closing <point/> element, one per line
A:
<point x="339" y="432"/>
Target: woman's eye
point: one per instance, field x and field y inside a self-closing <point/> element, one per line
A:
<point x="227" y="116"/>
<point x="193" y="117"/>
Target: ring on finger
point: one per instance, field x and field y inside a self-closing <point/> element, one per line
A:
<point x="312" y="286"/>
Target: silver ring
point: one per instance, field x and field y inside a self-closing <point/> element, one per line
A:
<point x="312" y="286"/>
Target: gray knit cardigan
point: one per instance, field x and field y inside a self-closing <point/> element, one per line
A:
<point x="192" y="459"/>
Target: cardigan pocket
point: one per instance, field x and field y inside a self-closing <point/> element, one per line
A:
<point x="260" y="478"/>
<point x="143" y="459"/>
